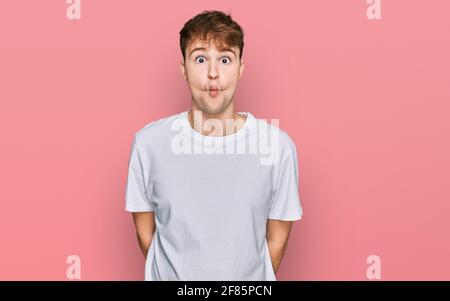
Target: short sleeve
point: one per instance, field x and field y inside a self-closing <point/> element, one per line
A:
<point x="137" y="193"/>
<point x="285" y="203"/>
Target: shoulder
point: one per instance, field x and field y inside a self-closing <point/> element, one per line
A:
<point x="155" y="130"/>
<point x="272" y="128"/>
<point x="274" y="140"/>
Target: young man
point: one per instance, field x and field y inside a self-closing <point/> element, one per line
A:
<point x="202" y="209"/>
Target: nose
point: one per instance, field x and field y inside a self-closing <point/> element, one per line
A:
<point x="212" y="71"/>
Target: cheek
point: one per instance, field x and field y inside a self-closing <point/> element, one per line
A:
<point x="196" y="78"/>
<point x="232" y="75"/>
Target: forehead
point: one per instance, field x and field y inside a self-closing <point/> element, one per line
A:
<point x="202" y="45"/>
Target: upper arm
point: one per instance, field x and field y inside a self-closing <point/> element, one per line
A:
<point x="145" y="223"/>
<point x="278" y="231"/>
<point x="285" y="201"/>
<point x="139" y="186"/>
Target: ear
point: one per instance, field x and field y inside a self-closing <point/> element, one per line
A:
<point x="183" y="70"/>
<point x="241" y="68"/>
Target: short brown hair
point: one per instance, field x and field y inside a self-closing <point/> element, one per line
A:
<point x="215" y="25"/>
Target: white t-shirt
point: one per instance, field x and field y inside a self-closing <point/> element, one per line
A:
<point x="212" y="200"/>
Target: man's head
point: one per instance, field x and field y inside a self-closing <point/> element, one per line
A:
<point x="211" y="44"/>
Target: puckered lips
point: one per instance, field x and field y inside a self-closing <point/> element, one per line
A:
<point x="213" y="90"/>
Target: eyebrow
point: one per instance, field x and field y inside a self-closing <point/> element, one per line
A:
<point x="222" y="50"/>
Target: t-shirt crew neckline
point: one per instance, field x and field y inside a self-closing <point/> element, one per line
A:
<point x="218" y="140"/>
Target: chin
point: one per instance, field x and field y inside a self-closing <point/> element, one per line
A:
<point x="211" y="108"/>
<point x="214" y="110"/>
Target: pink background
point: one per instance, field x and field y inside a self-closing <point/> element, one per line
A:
<point x="366" y="101"/>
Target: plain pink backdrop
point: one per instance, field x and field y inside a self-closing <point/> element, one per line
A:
<point x="366" y="101"/>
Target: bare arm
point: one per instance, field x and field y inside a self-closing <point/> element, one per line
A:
<point x="145" y="228"/>
<point x="277" y="234"/>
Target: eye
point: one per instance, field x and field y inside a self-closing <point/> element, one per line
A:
<point x="197" y="59"/>
<point x="224" y="59"/>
